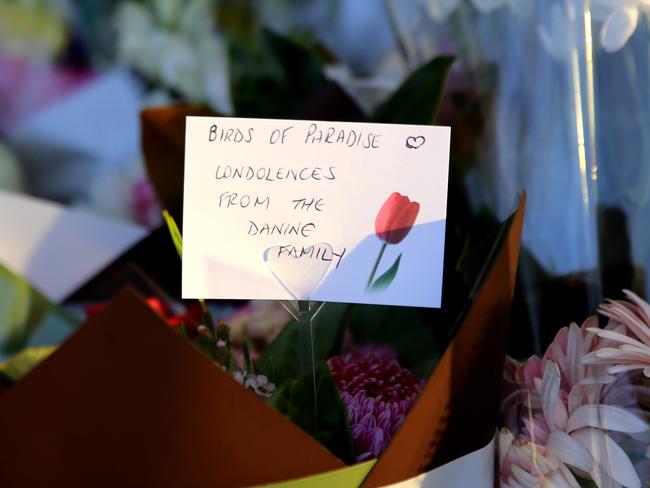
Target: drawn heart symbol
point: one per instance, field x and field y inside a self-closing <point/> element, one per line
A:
<point x="300" y="269"/>
<point x="413" y="142"/>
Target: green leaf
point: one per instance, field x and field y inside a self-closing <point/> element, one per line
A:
<point x="418" y="99"/>
<point x="23" y="362"/>
<point x="271" y="76"/>
<point x="329" y="422"/>
<point x="403" y="328"/>
<point x="27" y="317"/>
<point x="177" y="238"/>
<point x="387" y="278"/>
<point x="281" y="359"/>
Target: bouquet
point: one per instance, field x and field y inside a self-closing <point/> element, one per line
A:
<point x="579" y="414"/>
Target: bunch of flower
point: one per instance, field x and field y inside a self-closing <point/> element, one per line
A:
<point x="569" y="415"/>
<point x="195" y="62"/>
<point x="378" y="393"/>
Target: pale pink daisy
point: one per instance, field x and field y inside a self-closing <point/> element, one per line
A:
<point x="628" y="334"/>
<point x="564" y="409"/>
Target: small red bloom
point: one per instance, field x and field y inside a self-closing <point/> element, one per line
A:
<point x="396" y="218"/>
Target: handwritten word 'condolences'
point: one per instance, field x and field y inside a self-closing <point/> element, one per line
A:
<point x="288" y="209"/>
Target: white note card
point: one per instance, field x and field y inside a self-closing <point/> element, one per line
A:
<point x="310" y="210"/>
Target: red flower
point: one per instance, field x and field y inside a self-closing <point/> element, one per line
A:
<point x="191" y="318"/>
<point x="396" y="218"/>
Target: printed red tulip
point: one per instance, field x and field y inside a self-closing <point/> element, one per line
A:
<point x="396" y="218"/>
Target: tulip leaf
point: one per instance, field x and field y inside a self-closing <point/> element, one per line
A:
<point x="327" y="420"/>
<point x="177" y="238"/>
<point x="387" y="278"/>
<point x="281" y="359"/>
<point x="417" y="100"/>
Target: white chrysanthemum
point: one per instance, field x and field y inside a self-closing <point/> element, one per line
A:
<point x="259" y="383"/>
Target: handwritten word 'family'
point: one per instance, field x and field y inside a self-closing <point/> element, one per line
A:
<point x="315" y="134"/>
<point x="311" y="252"/>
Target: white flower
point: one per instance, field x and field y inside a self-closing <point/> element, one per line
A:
<point x="620" y="19"/>
<point x="258" y="320"/>
<point x="175" y="44"/>
<point x="260" y="384"/>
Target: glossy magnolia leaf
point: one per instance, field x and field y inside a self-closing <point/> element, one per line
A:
<point x="163" y="145"/>
<point x="417" y="100"/>
<point x="281" y="360"/>
<point x="328" y="422"/>
<point x="177" y="238"/>
<point x="22" y="363"/>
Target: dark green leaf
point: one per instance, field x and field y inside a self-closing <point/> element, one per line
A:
<point x="281" y="360"/>
<point x="402" y="328"/>
<point x="417" y="100"/>
<point x="387" y="278"/>
<point x="272" y="77"/>
<point x="328" y="422"/>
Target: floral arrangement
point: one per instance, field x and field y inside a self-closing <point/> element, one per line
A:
<point x="579" y="413"/>
<point x="195" y="64"/>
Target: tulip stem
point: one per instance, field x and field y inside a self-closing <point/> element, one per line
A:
<point x="374" y="268"/>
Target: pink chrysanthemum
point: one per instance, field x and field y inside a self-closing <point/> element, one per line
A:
<point x="378" y="393"/>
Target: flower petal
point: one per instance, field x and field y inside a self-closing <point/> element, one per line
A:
<point x="618" y="28"/>
<point x="606" y="417"/>
<point x="609" y="456"/>
<point x="569" y="450"/>
<point x="640" y="302"/>
<point x="403" y="222"/>
<point x="387" y="213"/>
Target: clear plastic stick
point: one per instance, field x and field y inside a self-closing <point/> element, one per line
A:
<point x="304" y="312"/>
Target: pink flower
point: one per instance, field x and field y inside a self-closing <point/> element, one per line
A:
<point x="145" y="206"/>
<point x="564" y="411"/>
<point x="523" y="463"/>
<point x="629" y="335"/>
<point x="378" y="393"/>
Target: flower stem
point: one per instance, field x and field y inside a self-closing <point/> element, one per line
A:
<point x="374" y="268"/>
